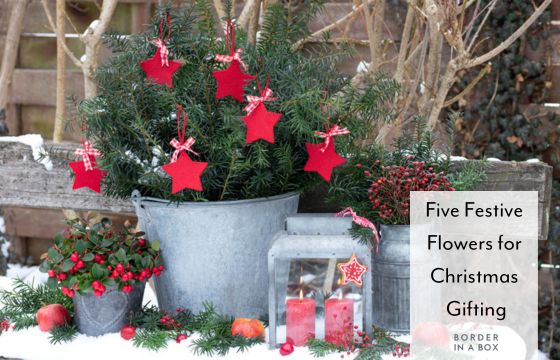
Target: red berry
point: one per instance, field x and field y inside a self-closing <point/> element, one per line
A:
<point x="61" y="277"/>
<point x="181" y="337"/>
<point x="127" y="288"/>
<point x="51" y="273"/>
<point x="119" y="268"/>
<point x="74" y="257"/>
<point x="128" y="332"/>
<point x="80" y="264"/>
<point x="141" y="242"/>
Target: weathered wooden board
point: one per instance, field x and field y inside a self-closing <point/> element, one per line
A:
<point x="38" y="86"/>
<point x="26" y="183"/>
<point x="520" y="176"/>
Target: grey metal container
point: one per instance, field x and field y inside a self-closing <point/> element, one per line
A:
<point x="391" y="279"/>
<point x="214" y="251"/>
<point x="98" y="315"/>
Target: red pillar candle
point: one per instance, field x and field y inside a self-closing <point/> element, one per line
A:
<point x="300" y="320"/>
<point x="339" y="321"/>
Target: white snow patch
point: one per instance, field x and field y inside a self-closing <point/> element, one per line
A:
<point x="34" y="141"/>
<point x="533" y="161"/>
<point x="17" y="271"/>
<point x="493" y="159"/>
<point x="457" y="158"/>
<point x="362" y="67"/>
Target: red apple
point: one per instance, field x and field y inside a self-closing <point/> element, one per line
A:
<point x="128" y="332"/>
<point x="51" y="316"/>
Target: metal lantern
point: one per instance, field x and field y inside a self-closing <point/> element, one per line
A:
<point x="307" y="294"/>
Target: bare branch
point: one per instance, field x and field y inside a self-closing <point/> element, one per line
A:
<point x="219" y="6"/>
<point x="68" y="52"/>
<point x="405" y="42"/>
<point x="376" y="38"/>
<point x="245" y="16"/>
<point x="58" y="132"/>
<point x="511" y="39"/>
<point x="351" y="15"/>
<point x="485" y="70"/>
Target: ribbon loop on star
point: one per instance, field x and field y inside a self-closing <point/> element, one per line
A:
<point x="85" y="153"/>
<point x="181" y="144"/>
<point x="333" y="131"/>
<point x="230" y="43"/>
<point x="178" y="146"/>
<point x="363" y="222"/>
<point x="255" y="101"/>
<point x="229" y="58"/>
<point x="160" y="41"/>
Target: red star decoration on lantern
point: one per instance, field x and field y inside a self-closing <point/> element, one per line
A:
<point x="352" y="271"/>
<point x="231" y="81"/>
<point x="260" y="124"/>
<point x="323" y="162"/>
<point x="86" y="178"/>
<point x="160" y="74"/>
<point x="185" y="173"/>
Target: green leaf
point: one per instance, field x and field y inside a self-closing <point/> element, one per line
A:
<point x="52" y="283"/>
<point x="80" y="246"/>
<point x="44" y="267"/>
<point x="98" y="271"/>
<point x="106" y="243"/>
<point x="88" y="257"/>
<point x="155" y="245"/>
<point x="67" y="265"/>
<point x="121" y="254"/>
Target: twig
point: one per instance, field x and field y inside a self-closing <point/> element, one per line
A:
<point x="351" y="15"/>
<point x="511" y="39"/>
<point x="485" y="70"/>
<point x="245" y="15"/>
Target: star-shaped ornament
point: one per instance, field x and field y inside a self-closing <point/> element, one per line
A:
<point x="231" y="81"/>
<point x="352" y="271"/>
<point x="86" y="178"/>
<point x="185" y="173"/>
<point x="323" y="162"/>
<point x="260" y="124"/>
<point x="159" y="73"/>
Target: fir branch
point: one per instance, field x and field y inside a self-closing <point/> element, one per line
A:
<point x="321" y="348"/>
<point x="152" y="339"/>
<point x="62" y="334"/>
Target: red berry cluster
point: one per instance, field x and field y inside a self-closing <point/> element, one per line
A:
<point x="89" y="259"/>
<point x="390" y="192"/>
<point x="168" y="322"/>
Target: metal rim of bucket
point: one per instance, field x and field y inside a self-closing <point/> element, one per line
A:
<point x="137" y="199"/>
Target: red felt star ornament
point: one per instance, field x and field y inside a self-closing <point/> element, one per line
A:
<point x="185" y="173"/>
<point x="352" y="271"/>
<point x="323" y="159"/>
<point x="260" y="124"/>
<point x="86" y="178"/>
<point x="158" y="72"/>
<point x="231" y="81"/>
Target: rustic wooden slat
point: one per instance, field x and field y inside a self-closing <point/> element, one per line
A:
<point x="38" y="86"/>
<point x="520" y="176"/>
<point x="26" y="183"/>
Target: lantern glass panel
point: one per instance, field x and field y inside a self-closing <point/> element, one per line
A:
<point x="313" y="302"/>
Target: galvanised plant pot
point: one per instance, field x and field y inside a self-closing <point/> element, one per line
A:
<point x="214" y="252"/>
<point x="391" y="279"/>
<point x="98" y="315"/>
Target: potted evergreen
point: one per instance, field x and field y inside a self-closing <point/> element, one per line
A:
<point x="240" y="181"/>
<point x="104" y="271"/>
<point x="378" y="188"/>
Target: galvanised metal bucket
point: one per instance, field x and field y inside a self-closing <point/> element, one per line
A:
<point x="391" y="279"/>
<point x="214" y="252"/>
<point x="98" y="315"/>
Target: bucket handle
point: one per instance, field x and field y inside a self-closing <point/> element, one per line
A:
<point x="141" y="210"/>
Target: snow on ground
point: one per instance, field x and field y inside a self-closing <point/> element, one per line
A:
<point x="35" y="142"/>
<point x="32" y="344"/>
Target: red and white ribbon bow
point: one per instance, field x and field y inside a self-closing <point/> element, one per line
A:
<point x="163" y="51"/>
<point x="254" y="101"/>
<point x="85" y="153"/>
<point x="335" y="130"/>
<point x="363" y="222"/>
<point x="178" y="146"/>
<point x="229" y="58"/>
